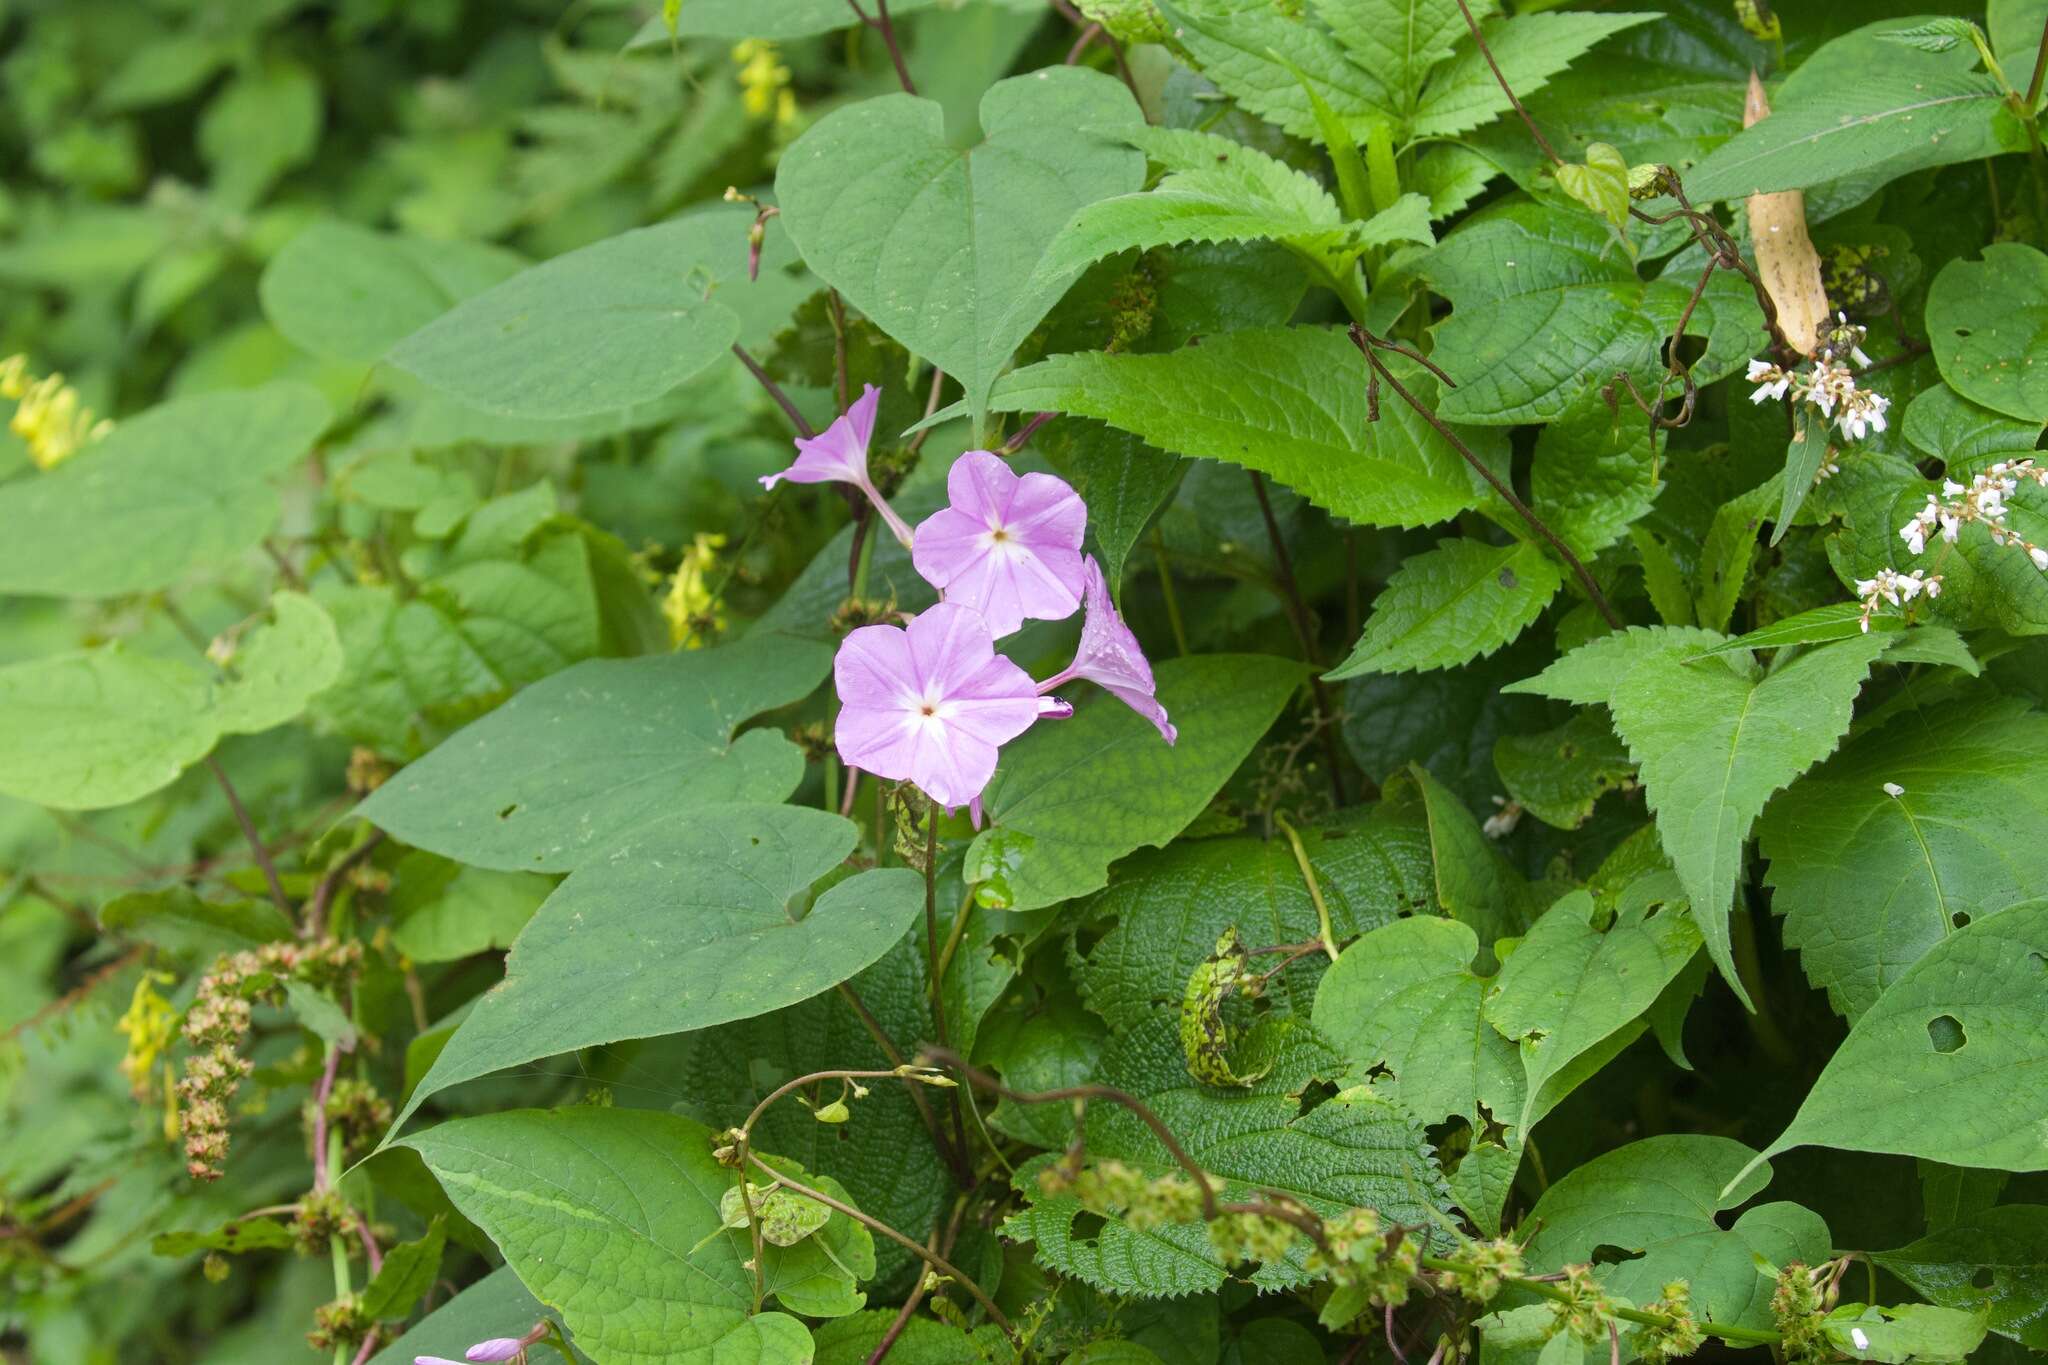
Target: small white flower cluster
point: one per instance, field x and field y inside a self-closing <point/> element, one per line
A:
<point x="1894" y="587"/>
<point x="1829" y="385"/>
<point x="1983" y="501"/>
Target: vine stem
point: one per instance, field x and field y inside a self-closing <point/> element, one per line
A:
<point x="1480" y="40"/>
<point x="1297" y="613"/>
<point x="1369" y="346"/>
<point x="323" y="895"/>
<point x="956" y="1160"/>
<point x="782" y="400"/>
<point x="1747" y="1336"/>
<point x="1315" y="889"/>
<point x="881" y="24"/>
<point x="929" y="1257"/>
<point x="256" y="846"/>
<point x="933" y="968"/>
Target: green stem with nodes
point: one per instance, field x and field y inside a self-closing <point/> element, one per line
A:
<point x="1315" y="888"/>
<point x="1745" y="1336"/>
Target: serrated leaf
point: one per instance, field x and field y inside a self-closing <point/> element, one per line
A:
<point x="616" y="323"/>
<point x="186" y="485"/>
<point x="1528" y="48"/>
<point x="1712" y="741"/>
<point x="1263" y="56"/>
<point x="1288" y="402"/>
<point x="684" y="924"/>
<point x="939" y="246"/>
<point x="1558" y="775"/>
<point x="597" y="752"/>
<point x="1661" y="1197"/>
<point x="1869" y="883"/>
<point x="1543" y="300"/>
<point x="1595" y="473"/>
<point x="1089" y="790"/>
<point x="1864" y="107"/>
<point x="1951" y="1062"/>
<point x="564" y="1194"/>
<point x="1821" y="625"/>
<point x="1446" y="606"/>
<point x="2007" y="1244"/>
<point x="346" y="293"/>
<point x="1401" y="42"/>
<point x="1988" y="323"/>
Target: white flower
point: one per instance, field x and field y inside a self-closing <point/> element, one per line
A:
<point x="1894" y="790"/>
<point x="1889" y="586"/>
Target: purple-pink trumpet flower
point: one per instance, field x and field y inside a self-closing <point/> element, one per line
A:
<point x="1008" y="545"/>
<point x="493" y="1349"/>
<point x="1109" y="656"/>
<point x="840" y="455"/>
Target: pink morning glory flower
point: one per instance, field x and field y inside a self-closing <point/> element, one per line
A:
<point x="497" y="1348"/>
<point x="1110" y="656"/>
<point x="840" y="455"/>
<point x="929" y="703"/>
<point x="1009" y="546"/>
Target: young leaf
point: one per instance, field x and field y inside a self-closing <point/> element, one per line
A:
<point x="184" y="486"/>
<point x="1988" y="321"/>
<point x="1601" y="183"/>
<point x="549" y="780"/>
<point x="564" y="1194"/>
<point x="1401" y="42"/>
<point x="939" y="246"/>
<point x="620" y="322"/>
<point x="1713" y="740"/>
<point x="1950" y="1063"/>
<point x="683" y="924"/>
<point x="1462" y="600"/>
<point x="1289" y="402"/>
<point x="1869" y="882"/>
<point x="1804" y="457"/>
<point x="1070" y="799"/>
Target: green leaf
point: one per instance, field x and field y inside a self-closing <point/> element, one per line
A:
<point x="1909" y="1332"/>
<point x="610" y="1217"/>
<point x="2014" y="27"/>
<point x="409" y="1271"/>
<point x="1821" y="625"/>
<point x="1869" y="883"/>
<point x="598" y="752"/>
<point x="1401" y="42"/>
<point x="1712" y="741"/>
<point x="443" y="912"/>
<point x="234" y="1238"/>
<point x="1988" y="323"/>
<point x="685" y="923"/>
<point x="192" y="930"/>
<point x="940" y="246"/>
<point x="1072" y="798"/>
<point x="1268" y="59"/>
<point x="1730" y="548"/>
<point x="924" y="1340"/>
<point x="1529" y="49"/>
<point x="620" y="322"/>
<point x="1544" y="300"/>
<point x="1217" y="190"/>
<point x="1169" y="907"/>
<point x="1595" y="473"/>
<point x="1571" y="987"/>
<point x="343" y="292"/>
<point x="2008" y="1245"/>
<point x="1951" y="1062"/>
<point x="1123" y="481"/>
<point x="279" y="667"/>
<point x="186" y="485"/>
<point x="1289" y="402"/>
<point x="1804" y="456"/>
<point x="1861" y="107"/>
<point x="1446" y="606"/>
<point x="1660" y="1197"/>
<point x="264" y="122"/>
<point x="1558" y="775"/>
<point x="746" y="19"/>
<point x="478" y="1312"/>
<point x="1601" y="184"/>
<point x="1474" y="883"/>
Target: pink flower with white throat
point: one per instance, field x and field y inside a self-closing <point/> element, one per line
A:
<point x="1110" y="656"/>
<point x="840" y="455"/>
<point x="930" y="703"/>
<point x="1008" y="546"/>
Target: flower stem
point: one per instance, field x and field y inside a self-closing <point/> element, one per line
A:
<point x="1315" y="889"/>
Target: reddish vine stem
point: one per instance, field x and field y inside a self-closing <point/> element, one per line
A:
<point x="941" y="1242"/>
<point x="256" y="846"/>
<point x="323" y="895"/>
<point x="782" y="400"/>
<point x="955" y="1161"/>
<point x="1297" y="611"/>
<point x="881" y="24"/>
<point x="1368" y="346"/>
<point x="1506" y="89"/>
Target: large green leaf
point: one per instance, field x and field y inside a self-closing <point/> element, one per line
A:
<point x="344" y="292"/>
<point x="490" y="1307"/>
<point x="1660" y="1201"/>
<point x="611" y="1217"/>
<point x="1401" y="42"/>
<point x="1862" y="106"/>
<point x="1289" y="402"/>
<point x="584" y="759"/>
<point x="1713" y="738"/>
<point x="105" y="726"/>
<point x="1951" y="1063"/>
<point x="2008" y="1245"/>
<point x="1528" y="48"/>
<point x="1988" y="323"/>
<point x="616" y="323"/>
<point x="1868" y="882"/>
<point x="1460" y="601"/>
<point x="939" y="246"/>
<point x="1074" y="796"/>
<point x="186" y="485"/>
<point x="1544" y="302"/>
<point x="694" y="921"/>
<point x="1269" y="60"/>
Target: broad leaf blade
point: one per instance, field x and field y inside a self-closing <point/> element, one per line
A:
<point x="1460" y="601"/>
